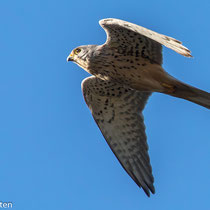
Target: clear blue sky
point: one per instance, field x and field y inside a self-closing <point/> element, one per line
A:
<point x="52" y="153"/>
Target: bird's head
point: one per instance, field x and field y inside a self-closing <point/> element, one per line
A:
<point x="82" y="55"/>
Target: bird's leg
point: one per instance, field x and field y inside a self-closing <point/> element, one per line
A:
<point x="169" y="88"/>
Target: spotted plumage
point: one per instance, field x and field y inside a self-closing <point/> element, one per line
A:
<point x="127" y="69"/>
<point x="118" y="112"/>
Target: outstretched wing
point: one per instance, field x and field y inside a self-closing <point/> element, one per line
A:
<point x="118" y="112"/>
<point x="129" y="35"/>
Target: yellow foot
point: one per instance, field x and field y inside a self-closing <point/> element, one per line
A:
<point x="169" y="88"/>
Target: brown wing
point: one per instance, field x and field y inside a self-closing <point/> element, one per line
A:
<point x="128" y="35"/>
<point x="118" y="113"/>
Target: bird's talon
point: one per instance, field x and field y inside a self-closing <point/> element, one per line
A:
<point x="169" y="88"/>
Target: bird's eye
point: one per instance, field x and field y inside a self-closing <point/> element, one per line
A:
<point x="77" y="51"/>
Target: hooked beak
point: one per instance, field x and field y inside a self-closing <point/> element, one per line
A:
<point x="70" y="58"/>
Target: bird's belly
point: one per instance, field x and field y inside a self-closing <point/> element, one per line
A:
<point x="144" y="77"/>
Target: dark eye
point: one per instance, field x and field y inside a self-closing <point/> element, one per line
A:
<point x="77" y="51"/>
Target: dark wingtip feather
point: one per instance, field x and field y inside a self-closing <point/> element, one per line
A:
<point x="146" y="190"/>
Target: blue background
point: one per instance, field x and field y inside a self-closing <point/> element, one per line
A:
<point x="52" y="154"/>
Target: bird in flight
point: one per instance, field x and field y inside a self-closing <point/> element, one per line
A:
<point x="126" y="69"/>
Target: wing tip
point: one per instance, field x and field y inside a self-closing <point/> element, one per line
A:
<point x="186" y="53"/>
<point x="188" y="56"/>
<point x="177" y="46"/>
<point x="149" y="189"/>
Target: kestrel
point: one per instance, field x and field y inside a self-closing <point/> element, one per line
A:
<point x="127" y="69"/>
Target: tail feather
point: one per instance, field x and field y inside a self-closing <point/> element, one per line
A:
<point x="192" y="94"/>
